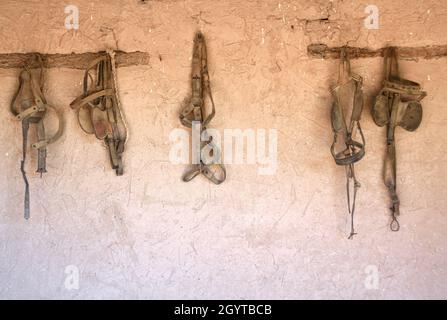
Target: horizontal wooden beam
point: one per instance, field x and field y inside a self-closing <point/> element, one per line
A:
<point x="71" y="60"/>
<point x="323" y="51"/>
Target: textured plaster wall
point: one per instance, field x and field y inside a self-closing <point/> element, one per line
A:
<point x="149" y="235"/>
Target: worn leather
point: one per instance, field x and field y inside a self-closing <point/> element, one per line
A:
<point x="194" y="111"/>
<point x="348" y="100"/>
<point x="398" y="104"/>
<point x="98" y="109"/>
<point x="30" y="107"/>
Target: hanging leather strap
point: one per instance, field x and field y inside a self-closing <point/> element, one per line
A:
<point x="81" y="101"/>
<point x="389" y="172"/>
<point x="350" y="176"/>
<point x="25" y="129"/>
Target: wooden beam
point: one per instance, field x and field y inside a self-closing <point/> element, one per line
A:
<point x="72" y="60"/>
<point x="323" y="51"/>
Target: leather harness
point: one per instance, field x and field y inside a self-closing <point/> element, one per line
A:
<point x="99" y="109"/>
<point x="348" y="95"/>
<point x="30" y="107"/>
<point x="194" y="112"/>
<point x="398" y="104"/>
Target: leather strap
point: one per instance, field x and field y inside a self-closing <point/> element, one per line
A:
<point x="215" y="176"/>
<point x="25" y="128"/>
<point x="350" y="176"/>
<point x="45" y="140"/>
<point x="81" y="101"/>
<point x="41" y="151"/>
<point x="27" y="113"/>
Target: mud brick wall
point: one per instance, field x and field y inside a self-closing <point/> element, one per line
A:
<point x="149" y="235"/>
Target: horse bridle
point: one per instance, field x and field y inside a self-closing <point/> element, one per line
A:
<point x="193" y="114"/>
<point x="99" y="108"/>
<point x="348" y="95"/>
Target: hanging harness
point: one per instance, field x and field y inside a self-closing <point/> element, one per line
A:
<point x="193" y="114"/>
<point x="348" y="95"/>
<point x="30" y="107"/>
<point x="99" y="108"/>
<point x="398" y="104"/>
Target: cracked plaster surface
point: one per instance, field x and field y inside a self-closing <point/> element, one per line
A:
<point x="148" y="235"/>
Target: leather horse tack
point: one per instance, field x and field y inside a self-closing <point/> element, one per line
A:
<point x="99" y="109"/>
<point x="348" y="96"/>
<point x="30" y="107"/>
<point x="194" y="111"/>
<point x="398" y="104"/>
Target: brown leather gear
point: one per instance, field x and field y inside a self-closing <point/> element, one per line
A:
<point x="30" y="107"/>
<point x="348" y="95"/>
<point x="398" y="104"/>
<point x="194" y="113"/>
<point x="99" y="110"/>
